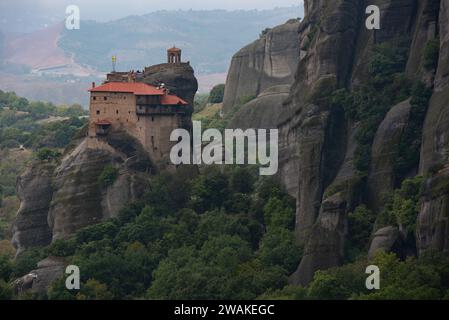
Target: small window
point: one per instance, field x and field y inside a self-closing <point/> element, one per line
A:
<point x="116" y="111"/>
<point x="152" y="119"/>
<point x="105" y="98"/>
<point x="98" y="111"/>
<point x="94" y="98"/>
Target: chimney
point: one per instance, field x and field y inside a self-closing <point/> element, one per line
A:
<point x="93" y="85"/>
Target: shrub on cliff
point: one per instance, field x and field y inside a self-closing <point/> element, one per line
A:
<point x="108" y="176"/>
<point x="431" y="54"/>
<point x="216" y="94"/>
<point x="47" y="154"/>
<point x="5" y="290"/>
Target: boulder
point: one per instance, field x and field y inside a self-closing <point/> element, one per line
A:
<point x="386" y="239"/>
<point x="39" y="280"/>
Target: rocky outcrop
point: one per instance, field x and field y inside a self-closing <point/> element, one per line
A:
<point x="179" y="78"/>
<point x="387" y="239"/>
<point x="79" y="200"/>
<point x="433" y="226"/>
<point x="384" y="151"/>
<point x="268" y="61"/>
<point x="60" y="198"/>
<point x="35" y="191"/>
<point x="76" y="202"/>
<point x="263" y="111"/>
<point x="37" y="281"/>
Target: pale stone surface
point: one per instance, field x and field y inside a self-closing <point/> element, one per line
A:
<point x="268" y="61"/>
<point x="384" y="240"/>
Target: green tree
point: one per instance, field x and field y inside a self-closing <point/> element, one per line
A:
<point x="47" y="154"/>
<point x="325" y="286"/>
<point x="108" y="176"/>
<point x="278" y="248"/>
<point x="278" y="213"/>
<point x="360" y="228"/>
<point x="431" y="54"/>
<point x="94" y="290"/>
<point x="209" y="191"/>
<point x="216" y="94"/>
<point x="6" y="268"/>
<point x="5" y="290"/>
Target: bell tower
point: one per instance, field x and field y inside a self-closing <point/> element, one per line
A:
<point x="174" y="55"/>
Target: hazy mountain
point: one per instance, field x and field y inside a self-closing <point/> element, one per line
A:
<point x="208" y="38"/>
<point x="56" y="64"/>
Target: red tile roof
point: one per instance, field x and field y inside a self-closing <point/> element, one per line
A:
<point x="138" y="88"/>
<point x="170" y="99"/>
<point x="174" y="49"/>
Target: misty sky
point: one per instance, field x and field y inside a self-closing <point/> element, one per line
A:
<point x="102" y="10"/>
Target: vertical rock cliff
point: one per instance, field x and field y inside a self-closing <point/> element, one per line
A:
<point x="319" y="139"/>
<point x="339" y="57"/>
<point x="433" y="225"/>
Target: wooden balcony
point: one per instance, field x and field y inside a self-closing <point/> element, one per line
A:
<point x="151" y="110"/>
